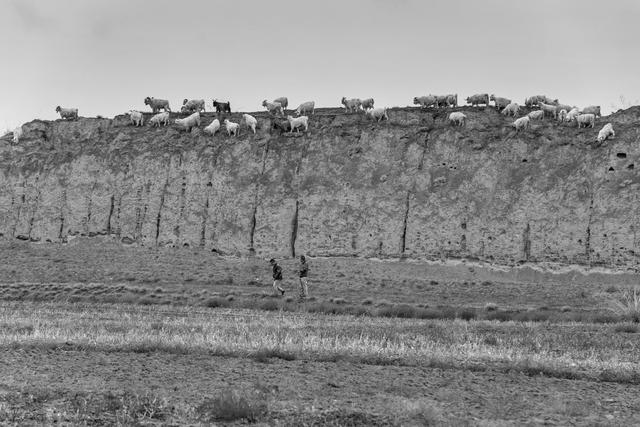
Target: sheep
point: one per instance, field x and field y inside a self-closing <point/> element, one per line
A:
<point x="424" y="101"/>
<point x="222" y="106"/>
<point x="306" y="107"/>
<point x="189" y="122"/>
<point x="457" y="118"/>
<point x="351" y="104"/>
<point x="283" y="101"/>
<point x="17" y="134"/>
<point x="548" y="100"/>
<point x="250" y="121"/>
<point x="478" y="99"/>
<point x="378" y="114"/>
<point x="562" y="115"/>
<point x="232" y="128"/>
<point x="159" y="118"/>
<point x="157" y="104"/>
<point x="281" y="125"/>
<point x="452" y="100"/>
<point x="213" y="127"/>
<point x="499" y="102"/>
<point x="564" y="107"/>
<point x="536" y="115"/>
<point x="586" y="120"/>
<point x="192" y="105"/>
<point x="136" y="117"/>
<point x="273" y="106"/>
<point x="297" y="122"/>
<point x="571" y="115"/>
<point x="521" y="124"/>
<point x="67" y="113"/>
<point x="606" y="132"/>
<point x="441" y="101"/>
<point x="592" y="109"/>
<point x="551" y="109"/>
<point x="512" y="108"/>
<point x="367" y="104"/>
<point x="532" y="101"/>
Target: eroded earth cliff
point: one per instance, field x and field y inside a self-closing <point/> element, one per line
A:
<point x="414" y="186"/>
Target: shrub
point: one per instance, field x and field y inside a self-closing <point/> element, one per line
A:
<point x="627" y="304"/>
<point x="367" y="301"/>
<point x="264" y="355"/>
<point x="466" y="314"/>
<point x="629" y="328"/>
<point x="217" y="302"/>
<point x="231" y="405"/>
<point x="270" y="305"/>
<point x="402" y="311"/>
<point x="501" y="316"/>
<point x="491" y="306"/>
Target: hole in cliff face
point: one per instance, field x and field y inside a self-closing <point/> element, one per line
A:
<point x="524" y="160"/>
<point x="630" y="166"/>
<point x="621" y="155"/>
<point x="611" y="169"/>
<point x="579" y="241"/>
<point x="209" y="184"/>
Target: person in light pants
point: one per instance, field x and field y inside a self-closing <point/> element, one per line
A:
<point x="303" y="271"/>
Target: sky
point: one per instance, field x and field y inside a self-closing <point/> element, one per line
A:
<point x="104" y="57"/>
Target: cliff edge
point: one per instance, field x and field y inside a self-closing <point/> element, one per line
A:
<point x="413" y="186"/>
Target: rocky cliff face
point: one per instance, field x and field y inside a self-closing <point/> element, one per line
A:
<point x="413" y="186"/>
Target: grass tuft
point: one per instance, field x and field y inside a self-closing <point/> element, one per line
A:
<point x="233" y="405"/>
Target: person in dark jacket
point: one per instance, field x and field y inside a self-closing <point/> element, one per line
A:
<point x="303" y="271"/>
<point x="277" y="276"/>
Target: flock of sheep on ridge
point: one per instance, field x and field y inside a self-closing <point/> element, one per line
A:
<point x="547" y="107"/>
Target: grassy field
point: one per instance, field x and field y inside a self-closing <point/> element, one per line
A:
<point x="100" y="334"/>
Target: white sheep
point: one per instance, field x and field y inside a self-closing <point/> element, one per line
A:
<point x="536" y="115"/>
<point x="571" y="115"/>
<point x="606" y="132"/>
<point x="67" y="113"/>
<point x="367" y="104"/>
<point x="157" y="104"/>
<point x="297" y="122"/>
<point x="353" y="104"/>
<point x="457" y="118"/>
<point x="512" y="108"/>
<point x="424" y="101"/>
<point x="232" y="128"/>
<point x="251" y="121"/>
<point x="17" y="134"/>
<point x="521" y="124"/>
<point x="378" y="114"/>
<point x="500" y="102"/>
<point x="548" y="109"/>
<point x="586" y="120"/>
<point x="272" y="106"/>
<point x="136" y="117"/>
<point x="283" y="101"/>
<point x="306" y="107"/>
<point x="192" y="105"/>
<point x="213" y="127"/>
<point x="160" y="118"/>
<point x="562" y="115"/>
<point x="592" y="109"/>
<point x="189" y="122"/>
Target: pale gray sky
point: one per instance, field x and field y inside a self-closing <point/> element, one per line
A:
<point x="104" y="57"/>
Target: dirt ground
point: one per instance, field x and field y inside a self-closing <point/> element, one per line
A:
<point x="454" y="397"/>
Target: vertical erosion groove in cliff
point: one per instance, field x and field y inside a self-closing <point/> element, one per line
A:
<point x="348" y="186"/>
<point x="294" y="230"/>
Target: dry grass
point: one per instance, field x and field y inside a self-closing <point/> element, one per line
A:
<point x="559" y="350"/>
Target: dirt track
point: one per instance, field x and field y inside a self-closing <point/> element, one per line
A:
<point x="301" y="386"/>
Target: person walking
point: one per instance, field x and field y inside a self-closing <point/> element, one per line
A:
<point x="277" y="276"/>
<point x="303" y="271"/>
